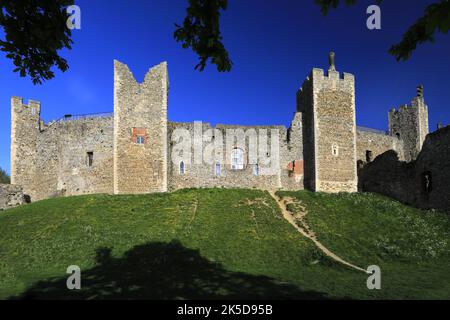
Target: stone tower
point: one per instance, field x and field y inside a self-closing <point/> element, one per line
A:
<point x="329" y="130"/>
<point x="25" y="128"/>
<point x="140" y="130"/>
<point x="410" y="124"/>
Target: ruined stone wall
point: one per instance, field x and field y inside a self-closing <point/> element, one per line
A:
<point x="377" y="143"/>
<point x="435" y="159"/>
<point x="332" y="113"/>
<point x="11" y="196"/>
<point x="140" y="111"/>
<point x="407" y="181"/>
<point x="292" y="157"/>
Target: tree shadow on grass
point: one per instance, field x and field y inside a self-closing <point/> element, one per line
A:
<point x="164" y="271"/>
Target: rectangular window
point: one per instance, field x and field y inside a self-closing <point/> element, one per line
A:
<point x="237" y="159"/>
<point x="182" y="168"/>
<point x="217" y="169"/>
<point x="140" y="140"/>
<point x="256" y="170"/>
<point x="139" y="135"/>
<point x="90" y="159"/>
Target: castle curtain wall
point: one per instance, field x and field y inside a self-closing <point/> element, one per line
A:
<point x="204" y="174"/>
<point x="377" y="144"/>
<point x="422" y="183"/>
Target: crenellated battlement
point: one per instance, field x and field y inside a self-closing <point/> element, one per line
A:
<point x="33" y="107"/>
<point x="327" y="101"/>
<point x="330" y="79"/>
<point x="409" y="123"/>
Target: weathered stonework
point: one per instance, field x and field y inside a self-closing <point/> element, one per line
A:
<point x="371" y="144"/>
<point x="410" y="124"/>
<point x="422" y="182"/>
<point x="54" y="163"/>
<point x="11" y="196"/>
<point x="328" y="103"/>
<point x="218" y="173"/>
<point x="131" y="151"/>
<point x="140" y="168"/>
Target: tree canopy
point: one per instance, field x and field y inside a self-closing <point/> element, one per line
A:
<point x="35" y="32"/>
<point x="4" y="177"/>
<point x="435" y="19"/>
<point x="201" y="30"/>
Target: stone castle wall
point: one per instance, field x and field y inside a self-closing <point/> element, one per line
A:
<point x="219" y="173"/>
<point x="331" y="137"/>
<point x="410" y="124"/>
<point x="25" y="129"/>
<point x="292" y="155"/>
<point x="140" y="111"/>
<point x="11" y="196"/>
<point x="131" y="151"/>
<point x="52" y="160"/>
<point x="62" y="165"/>
<point x="304" y="105"/>
<point x="422" y="183"/>
<point x="377" y="144"/>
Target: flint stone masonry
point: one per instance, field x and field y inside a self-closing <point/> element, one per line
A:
<point x="11" y="196"/>
<point x="140" y="168"/>
<point x="328" y="103"/>
<point x="53" y="158"/>
<point x="423" y="183"/>
<point x="134" y="150"/>
<point x="377" y="144"/>
<point x="219" y="173"/>
<point x="410" y="124"/>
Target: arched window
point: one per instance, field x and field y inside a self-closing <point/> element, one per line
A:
<point x="335" y="150"/>
<point x="237" y="159"/>
<point x="427" y="182"/>
<point x="256" y="170"/>
<point x="217" y="169"/>
<point x="359" y="164"/>
<point x="182" y="168"/>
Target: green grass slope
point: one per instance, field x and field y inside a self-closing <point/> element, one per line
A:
<point x="217" y="243"/>
<point x="411" y="246"/>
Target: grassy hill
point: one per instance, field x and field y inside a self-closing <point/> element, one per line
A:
<point x="218" y="243"/>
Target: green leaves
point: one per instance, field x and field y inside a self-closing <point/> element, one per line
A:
<point x="435" y="19"/>
<point x="35" y="30"/>
<point x="326" y="5"/>
<point x="201" y="32"/>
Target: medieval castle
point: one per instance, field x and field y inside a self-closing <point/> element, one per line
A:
<point x="128" y="151"/>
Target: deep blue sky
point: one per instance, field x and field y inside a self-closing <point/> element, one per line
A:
<point x="273" y="44"/>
